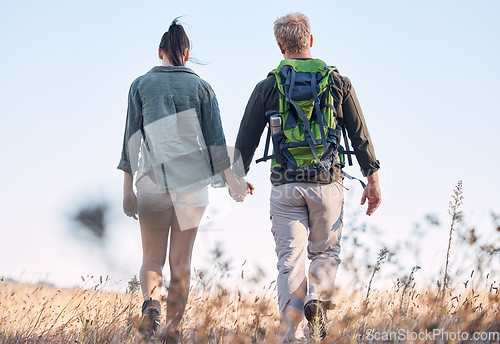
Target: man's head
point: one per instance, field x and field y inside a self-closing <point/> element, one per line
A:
<point x="293" y="33"/>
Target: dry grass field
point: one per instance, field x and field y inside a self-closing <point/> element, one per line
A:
<point x="222" y="310"/>
<point x="44" y="314"/>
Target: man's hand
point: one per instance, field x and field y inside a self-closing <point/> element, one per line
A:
<point x="250" y="188"/>
<point x="372" y="193"/>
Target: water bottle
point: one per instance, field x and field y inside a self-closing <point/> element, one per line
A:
<point x="275" y="124"/>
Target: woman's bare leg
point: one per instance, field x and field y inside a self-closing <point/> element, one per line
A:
<point x="154" y="233"/>
<point x="181" y="248"/>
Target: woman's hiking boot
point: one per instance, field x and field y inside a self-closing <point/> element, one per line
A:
<point x="170" y="335"/>
<point x="151" y="313"/>
<point x="316" y="318"/>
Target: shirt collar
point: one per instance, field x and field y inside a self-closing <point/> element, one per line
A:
<point x="158" y="69"/>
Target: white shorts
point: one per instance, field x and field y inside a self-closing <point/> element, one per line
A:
<point x="186" y="204"/>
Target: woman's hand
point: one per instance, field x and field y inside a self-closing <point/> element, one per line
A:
<point x="240" y="196"/>
<point x="130" y="204"/>
<point x="129" y="198"/>
<point x="238" y="187"/>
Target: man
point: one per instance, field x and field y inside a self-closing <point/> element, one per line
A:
<point x="307" y="211"/>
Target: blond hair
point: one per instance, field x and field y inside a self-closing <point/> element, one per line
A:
<point x="293" y="32"/>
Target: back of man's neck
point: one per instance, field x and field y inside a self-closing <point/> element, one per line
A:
<point x="300" y="55"/>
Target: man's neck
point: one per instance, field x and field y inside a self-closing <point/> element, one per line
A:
<point x="300" y="55"/>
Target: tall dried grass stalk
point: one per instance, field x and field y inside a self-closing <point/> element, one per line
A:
<point x="456" y="215"/>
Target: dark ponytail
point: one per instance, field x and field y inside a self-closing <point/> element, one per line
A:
<point x="175" y="43"/>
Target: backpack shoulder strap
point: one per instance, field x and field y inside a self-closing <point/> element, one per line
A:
<point x="266" y="155"/>
<point x="347" y="150"/>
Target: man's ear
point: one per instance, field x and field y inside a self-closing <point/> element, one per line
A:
<point x="281" y="48"/>
<point x="186" y="58"/>
<point x="311" y="43"/>
<point x="160" y="54"/>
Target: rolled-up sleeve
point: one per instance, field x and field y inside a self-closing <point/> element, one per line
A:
<point x="357" y="130"/>
<point x="132" y="125"/>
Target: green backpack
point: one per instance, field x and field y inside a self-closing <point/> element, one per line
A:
<point x="308" y="143"/>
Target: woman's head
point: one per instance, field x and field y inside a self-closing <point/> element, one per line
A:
<point x="175" y="44"/>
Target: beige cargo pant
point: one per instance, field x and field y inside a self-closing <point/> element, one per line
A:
<point x="306" y="215"/>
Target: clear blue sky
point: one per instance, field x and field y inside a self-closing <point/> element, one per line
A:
<point x="426" y="74"/>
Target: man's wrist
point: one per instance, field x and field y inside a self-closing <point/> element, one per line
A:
<point x="373" y="179"/>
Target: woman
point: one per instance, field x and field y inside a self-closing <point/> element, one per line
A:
<point x="175" y="146"/>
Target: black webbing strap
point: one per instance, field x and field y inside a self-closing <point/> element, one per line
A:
<point x="266" y="149"/>
<point x="343" y="151"/>
<point x="333" y="109"/>
<point x="346" y="142"/>
<point x="268" y="138"/>
<point x="320" y="119"/>
<point x="347" y="150"/>
<point x="344" y="133"/>
<point x="292" y="82"/>
<point x="310" y="137"/>
<point x="354" y="178"/>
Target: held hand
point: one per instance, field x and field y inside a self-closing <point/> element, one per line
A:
<point x="130" y="204"/>
<point x="238" y="187"/>
<point x="236" y="196"/>
<point x="240" y="196"/>
<point x="372" y="193"/>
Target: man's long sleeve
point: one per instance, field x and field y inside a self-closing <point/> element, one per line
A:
<point x="251" y="128"/>
<point x="357" y="129"/>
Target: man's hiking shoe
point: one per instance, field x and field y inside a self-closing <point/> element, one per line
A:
<point x="151" y="312"/>
<point x="301" y="340"/>
<point x="290" y="337"/>
<point x="316" y="318"/>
